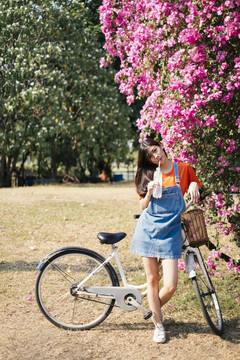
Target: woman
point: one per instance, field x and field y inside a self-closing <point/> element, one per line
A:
<point x="158" y="232"/>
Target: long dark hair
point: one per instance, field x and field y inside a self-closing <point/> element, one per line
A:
<point x="145" y="168"/>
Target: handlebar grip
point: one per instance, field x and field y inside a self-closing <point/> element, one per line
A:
<point x="204" y="193"/>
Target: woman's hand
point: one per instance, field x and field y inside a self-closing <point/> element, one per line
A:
<point x="193" y="191"/>
<point x="146" y="200"/>
<point x="150" y="188"/>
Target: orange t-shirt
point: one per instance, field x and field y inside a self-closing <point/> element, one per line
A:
<point x="186" y="174"/>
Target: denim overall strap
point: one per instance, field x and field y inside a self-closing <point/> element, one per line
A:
<point x="177" y="178"/>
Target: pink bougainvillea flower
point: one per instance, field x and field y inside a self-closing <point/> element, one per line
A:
<point x="181" y="265"/>
<point x="181" y="58"/>
<point x="237" y="269"/>
<point x="216" y="254"/>
<point x="211" y="263"/>
<point x="230" y="264"/>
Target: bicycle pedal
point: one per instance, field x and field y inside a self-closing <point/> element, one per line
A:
<point x="147" y="315"/>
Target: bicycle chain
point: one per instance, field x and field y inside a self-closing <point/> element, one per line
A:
<point x="97" y="301"/>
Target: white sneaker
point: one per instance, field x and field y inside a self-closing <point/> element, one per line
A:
<point x="159" y="334"/>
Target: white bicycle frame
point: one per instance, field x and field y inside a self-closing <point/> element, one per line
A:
<point x="129" y="296"/>
<point x="122" y="274"/>
<point x="115" y="255"/>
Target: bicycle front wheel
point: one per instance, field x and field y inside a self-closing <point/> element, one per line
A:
<point x="207" y="297"/>
<point x="55" y="284"/>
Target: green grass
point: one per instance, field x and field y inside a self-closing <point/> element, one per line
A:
<point x="36" y="220"/>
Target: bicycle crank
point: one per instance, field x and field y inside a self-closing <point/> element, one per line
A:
<point x="147" y="313"/>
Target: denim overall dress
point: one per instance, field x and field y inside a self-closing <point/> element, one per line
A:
<point x="158" y="231"/>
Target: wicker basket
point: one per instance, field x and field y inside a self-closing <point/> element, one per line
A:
<point x="195" y="228"/>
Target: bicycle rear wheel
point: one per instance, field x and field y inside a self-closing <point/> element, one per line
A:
<point x="55" y="295"/>
<point x="207" y="297"/>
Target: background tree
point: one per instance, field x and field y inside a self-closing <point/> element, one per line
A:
<point x="182" y="57"/>
<point x="54" y="99"/>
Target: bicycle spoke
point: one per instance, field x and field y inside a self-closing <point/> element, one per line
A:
<point x="63" y="273"/>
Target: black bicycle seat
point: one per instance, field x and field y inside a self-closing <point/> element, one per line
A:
<point x="110" y="238"/>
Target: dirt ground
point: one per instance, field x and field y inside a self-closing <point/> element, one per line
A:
<point x="26" y="334"/>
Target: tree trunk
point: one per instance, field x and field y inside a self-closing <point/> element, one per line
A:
<point x="5" y="172"/>
<point x="2" y="170"/>
<point x="54" y="164"/>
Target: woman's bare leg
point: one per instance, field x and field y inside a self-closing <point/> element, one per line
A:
<point x="170" y="280"/>
<point x="152" y="273"/>
<point x="156" y="298"/>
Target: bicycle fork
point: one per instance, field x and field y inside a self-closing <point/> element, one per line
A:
<point x="188" y="256"/>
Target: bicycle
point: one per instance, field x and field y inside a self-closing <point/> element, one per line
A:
<point x="77" y="288"/>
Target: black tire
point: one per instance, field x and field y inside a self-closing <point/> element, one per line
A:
<point x="55" y="280"/>
<point x="207" y="297"/>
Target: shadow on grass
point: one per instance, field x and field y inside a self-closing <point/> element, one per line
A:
<point x="19" y="265"/>
<point x="181" y="330"/>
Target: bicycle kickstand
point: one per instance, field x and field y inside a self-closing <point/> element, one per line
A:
<point x="147" y="313"/>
